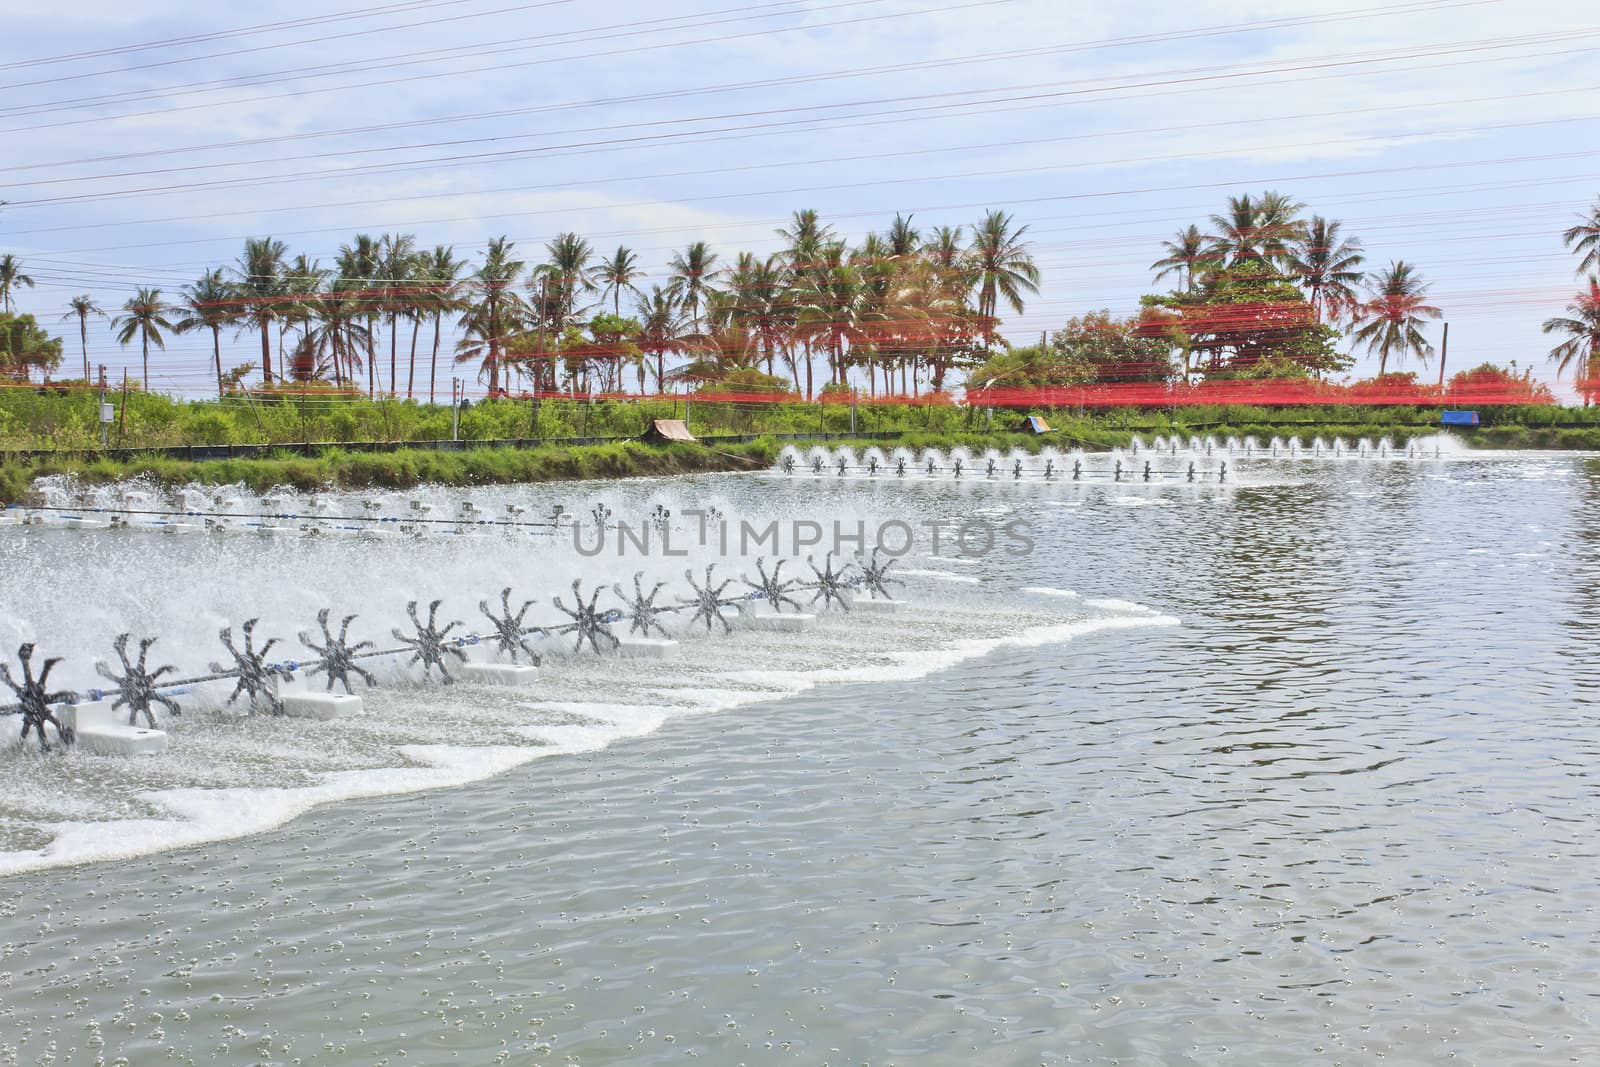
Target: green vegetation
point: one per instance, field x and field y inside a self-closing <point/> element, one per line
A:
<point x="404" y="468"/>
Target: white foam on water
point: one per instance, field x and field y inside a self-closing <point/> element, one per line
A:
<point x="202" y="816"/>
<point x="207" y="815"/>
<point x="1113" y="604"/>
<point x="1045" y="590"/>
<point x="943" y="576"/>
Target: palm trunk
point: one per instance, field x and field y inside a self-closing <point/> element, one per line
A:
<point x="83" y="330"/>
<point x="216" y="351"/>
<point x="433" y="364"/>
<point x="372" y="356"/>
<point x="411" y="375"/>
<point x="661" y="372"/>
<point x="146" y="382"/>
<point x="266" y="352"/>
<point x="394" y="379"/>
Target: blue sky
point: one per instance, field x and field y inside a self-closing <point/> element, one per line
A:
<point x="1459" y="135"/>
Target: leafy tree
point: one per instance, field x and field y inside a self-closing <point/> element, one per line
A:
<point x="144" y="317"/>
<point x="24" y="347"/>
<point x="82" y="307"/>
<point x="1581" y="327"/>
<point x="1241" y="315"/>
<point x="1393" y="318"/>
<point x="1502" y="384"/>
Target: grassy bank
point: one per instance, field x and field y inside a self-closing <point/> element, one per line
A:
<point x="402" y="469"/>
<point x="57" y="419"/>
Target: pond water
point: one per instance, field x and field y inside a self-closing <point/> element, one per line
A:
<point x="1297" y="768"/>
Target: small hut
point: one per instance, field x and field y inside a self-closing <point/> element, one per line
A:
<point x="1034" y="424"/>
<point x="665" y="430"/>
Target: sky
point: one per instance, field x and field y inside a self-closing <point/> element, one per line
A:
<point x="145" y="142"/>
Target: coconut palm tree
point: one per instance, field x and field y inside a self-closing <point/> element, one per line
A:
<point x="208" y="305"/>
<point x="1394" y="316"/>
<point x="82" y="307"/>
<point x="260" y="287"/>
<point x="144" y="317"/>
<point x="358" y="266"/>
<point x="494" y="308"/>
<point x="903" y="240"/>
<point x="1327" y="266"/>
<point x="691" y="277"/>
<point x="1185" y="254"/>
<point x="1252" y="228"/>
<point x="1002" y="266"/>
<point x="440" y="272"/>
<point x="11" y="279"/>
<point x="397" y="254"/>
<point x="660" y="329"/>
<point x="568" y="271"/>
<point x="617" y="275"/>
<point x="302" y="296"/>
<point x="1582" y="345"/>
<point x="1584" y="239"/>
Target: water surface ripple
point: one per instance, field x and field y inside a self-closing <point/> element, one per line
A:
<point x="1347" y="811"/>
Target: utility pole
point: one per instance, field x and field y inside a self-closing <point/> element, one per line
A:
<point x="1444" y="352"/>
<point x="105" y="409"/>
<point x="455" y="410"/>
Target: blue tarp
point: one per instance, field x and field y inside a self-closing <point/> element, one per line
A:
<point x="1459" y="418"/>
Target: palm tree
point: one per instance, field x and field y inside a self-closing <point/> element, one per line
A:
<point x="358" y="267"/>
<point x="397" y="254"/>
<point x="568" y="272"/>
<point x="82" y="307"/>
<point x="208" y="304"/>
<point x="1187" y="251"/>
<point x="660" y="329"/>
<point x="302" y="294"/>
<point x="1327" y="266"/>
<point x="1002" y="266"/>
<point x="1582" y="345"/>
<point x="260" y="288"/>
<point x="494" y="309"/>
<point x="1394" y="316"/>
<point x="903" y="240"/>
<point x="1256" y="228"/>
<point x="144" y="317"/>
<point x="1584" y="238"/>
<point x="11" y="278"/>
<point x="440" y="271"/>
<point x="691" y="273"/>
<point x="617" y="275"/>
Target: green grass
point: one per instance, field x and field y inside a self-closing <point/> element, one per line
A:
<point x="405" y="468"/>
<point x="64" y="422"/>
